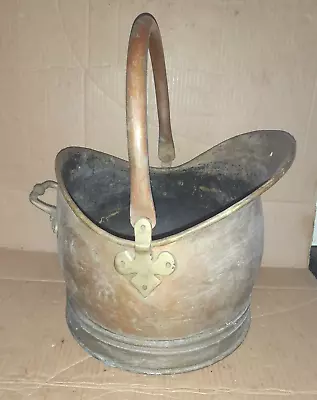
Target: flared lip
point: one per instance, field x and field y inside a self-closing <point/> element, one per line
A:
<point x="279" y="173"/>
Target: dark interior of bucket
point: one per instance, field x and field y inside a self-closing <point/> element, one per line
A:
<point x="185" y="195"/>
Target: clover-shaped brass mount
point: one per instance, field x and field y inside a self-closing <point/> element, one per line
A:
<point x="138" y="266"/>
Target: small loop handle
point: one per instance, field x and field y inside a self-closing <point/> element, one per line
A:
<point x="39" y="190"/>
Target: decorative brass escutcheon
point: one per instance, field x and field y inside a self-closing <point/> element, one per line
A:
<point x="139" y="267"/>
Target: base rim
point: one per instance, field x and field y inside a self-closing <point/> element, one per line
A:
<point x="177" y="356"/>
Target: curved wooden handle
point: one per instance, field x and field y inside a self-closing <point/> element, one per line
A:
<point x="145" y="35"/>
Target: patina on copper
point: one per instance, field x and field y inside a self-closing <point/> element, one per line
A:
<point x="160" y="263"/>
<point x="145" y="35"/>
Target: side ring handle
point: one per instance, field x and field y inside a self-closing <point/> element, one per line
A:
<point x="145" y="36"/>
<point x="39" y="190"/>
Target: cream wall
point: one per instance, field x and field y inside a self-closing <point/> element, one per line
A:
<point x="233" y="66"/>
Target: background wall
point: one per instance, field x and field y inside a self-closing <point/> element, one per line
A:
<point x="233" y="66"/>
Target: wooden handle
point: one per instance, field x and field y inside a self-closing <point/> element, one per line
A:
<point x="145" y="35"/>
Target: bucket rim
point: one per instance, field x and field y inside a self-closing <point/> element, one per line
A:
<point x="279" y="173"/>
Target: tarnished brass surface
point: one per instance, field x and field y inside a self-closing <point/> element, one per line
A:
<point x="143" y="271"/>
<point x="39" y="190"/>
<point x="160" y="263"/>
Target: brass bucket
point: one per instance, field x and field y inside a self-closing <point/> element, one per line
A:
<point x="160" y="263"/>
